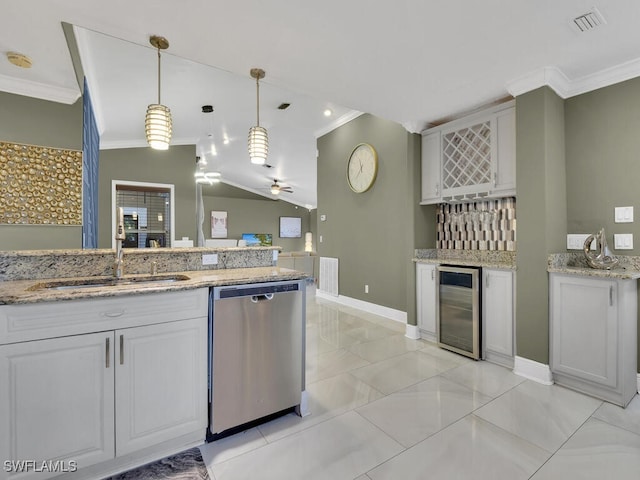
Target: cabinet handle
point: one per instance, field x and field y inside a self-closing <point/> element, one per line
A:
<point x="495" y="179"/>
<point x="433" y="274"/>
<point x="121" y="349"/>
<point x="611" y="296"/>
<point x="437" y="189"/>
<point x="486" y="281"/>
<point x="108" y="354"/>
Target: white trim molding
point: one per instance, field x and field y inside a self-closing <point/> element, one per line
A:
<point x="29" y="88"/>
<point x="639" y="383"/>
<point x="565" y="87"/>
<point x="390" y="313"/>
<point x="538" y="372"/>
<point x="412" y="332"/>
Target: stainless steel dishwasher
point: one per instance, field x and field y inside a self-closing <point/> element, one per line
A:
<point x="256" y="352"/>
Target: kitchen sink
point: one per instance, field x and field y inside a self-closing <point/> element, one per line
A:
<point x="100" y="282"/>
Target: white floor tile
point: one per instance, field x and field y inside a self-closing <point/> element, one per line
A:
<point x="328" y="364"/>
<point x="344" y="447"/>
<point x="386" y="347"/>
<point x="399" y="372"/>
<point x="627" y="418"/>
<point x="597" y="451"/>
<point x="545" y="415"/>
<point x="233" y="446"/>
<point x="413" y="414"/>
<point x="327" y="398"/>
<point x="484" y="377"/>
<point x="469" y="449"/>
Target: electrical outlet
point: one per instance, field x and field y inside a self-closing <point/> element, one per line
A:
<point x="623" y="241"/>
<point x="575" y="241"/>
<point x="210" y="259"/>
<point x="320" y="238"/>
<point x="275" y="255"/>
<point x="366" y="289"/>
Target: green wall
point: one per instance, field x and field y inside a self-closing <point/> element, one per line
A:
<point x="602" y="155"/>
<point x="40" y="122"/>
<point x="257" y="216"/>
<point x="174" y="166"/>
<point x="373" y="234"/>
<point x="541" y="207"/>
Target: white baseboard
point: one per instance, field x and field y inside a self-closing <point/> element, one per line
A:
<point x="390" y="313"/>
<point x="412" y="332"/>
<point x="538" y="372"/>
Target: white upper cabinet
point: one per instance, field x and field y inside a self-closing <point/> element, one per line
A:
<point x="472" y="157"/>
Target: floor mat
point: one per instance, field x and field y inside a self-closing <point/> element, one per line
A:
<point x="187" y="465"/>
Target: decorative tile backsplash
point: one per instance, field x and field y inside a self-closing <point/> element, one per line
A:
<point x="480" y="225"/>
<point x="40" y="185"/>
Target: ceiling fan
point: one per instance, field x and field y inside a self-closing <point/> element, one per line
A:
<point x="276" y="188"/>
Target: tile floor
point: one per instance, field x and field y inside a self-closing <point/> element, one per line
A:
<point x="386" y="407"/>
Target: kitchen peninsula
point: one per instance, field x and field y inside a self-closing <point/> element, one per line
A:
<point x="107" y="374"/>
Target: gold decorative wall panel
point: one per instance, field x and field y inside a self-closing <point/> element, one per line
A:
<point x="40" y="185"/>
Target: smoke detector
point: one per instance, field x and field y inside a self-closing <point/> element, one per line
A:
<point x="19" y="60"/>
<point x="588" y="21"/>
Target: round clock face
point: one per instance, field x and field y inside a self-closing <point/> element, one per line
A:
<point x="362" y="168"/>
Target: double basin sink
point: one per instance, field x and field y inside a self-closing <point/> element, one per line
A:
<point x="99" y="282"/>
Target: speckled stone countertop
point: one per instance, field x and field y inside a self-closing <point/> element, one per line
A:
<point x="472" y="258"/>
<point x="33" y="291"/>
<point x="24" y="273"/>
<point x="576" y="264"/>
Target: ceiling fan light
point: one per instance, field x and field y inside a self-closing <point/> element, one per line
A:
<point x="158" y="126"/>
<point x="258" y="145"/>
<point x="275" y="190"/>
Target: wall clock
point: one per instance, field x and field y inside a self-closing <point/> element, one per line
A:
<point x="362" y="168"/>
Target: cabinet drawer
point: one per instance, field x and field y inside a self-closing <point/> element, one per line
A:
<point x="19" y="323"/>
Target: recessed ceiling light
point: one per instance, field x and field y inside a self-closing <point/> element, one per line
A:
<point x="328" y="112"/>
<point x="19" y="60"/>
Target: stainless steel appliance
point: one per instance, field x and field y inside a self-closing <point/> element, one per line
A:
<point x="256" y="352"/>
<point x="458" y="303"/>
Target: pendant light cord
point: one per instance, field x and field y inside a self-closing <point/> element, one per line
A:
<point x="258" y="100"/>
<point x="159" y="103"/>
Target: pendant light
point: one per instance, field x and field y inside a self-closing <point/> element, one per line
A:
<point x="157" y="123"/>
<point x="258" y="141"/>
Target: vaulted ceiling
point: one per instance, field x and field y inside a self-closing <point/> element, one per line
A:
<point x="414" y="62"/>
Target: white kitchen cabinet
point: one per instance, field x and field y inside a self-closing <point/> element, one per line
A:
<point x="56" y="400"/>
<point x="161" y="389"/>
<point x="498" y="316"/>
<point x="431" y="169"/>
<point x="593" y="325"/>
<point x="135" y="376"/>
<point x="471" y="157"/>
<point x="426" y="308"/>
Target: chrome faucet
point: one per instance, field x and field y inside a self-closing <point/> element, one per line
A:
<point x="118" y="265"/>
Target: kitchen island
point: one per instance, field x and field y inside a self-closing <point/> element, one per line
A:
<point x="101" y="375"/>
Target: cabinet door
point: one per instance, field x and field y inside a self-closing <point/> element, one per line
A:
<point x="161" y="383"/>
<point x="431" y="170"/>
<point x="56" y="401"/>
<point x="426" y="299"/>
<point x="504" y="164"/>
<point x="584" y="328"/>
<point x="497" y="315"/>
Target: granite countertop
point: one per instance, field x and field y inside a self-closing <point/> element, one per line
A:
<point x="27" y="291"/>
<point x="471" y="258"/>
<point x="576" y="264"/>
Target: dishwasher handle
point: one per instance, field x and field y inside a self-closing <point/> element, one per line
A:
<point x="262" y="298"/>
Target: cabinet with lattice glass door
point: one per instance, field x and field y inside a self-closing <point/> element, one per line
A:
<point x="474" y="157"/>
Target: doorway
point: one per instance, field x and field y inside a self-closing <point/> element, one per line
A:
<point x="149" y="213"/>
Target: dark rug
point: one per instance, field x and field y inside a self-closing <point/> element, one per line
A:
<point x="187" y="465"/>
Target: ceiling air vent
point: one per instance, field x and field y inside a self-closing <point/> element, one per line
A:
<point x="588" y="21"/>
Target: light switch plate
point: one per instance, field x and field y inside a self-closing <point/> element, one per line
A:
<point x="210" y="259"/>
<point x="624" y="215"/>
<point x="275" y="255"/>
<point x="575" y="241"/>
<point x="623" y="241"/>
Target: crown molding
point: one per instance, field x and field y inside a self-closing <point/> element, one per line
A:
<point x="33" y="89"/>
<point x="347" y="117"/>
<point x="565" y="87"/>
